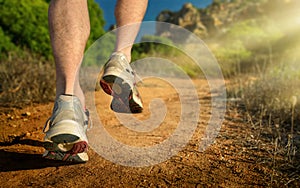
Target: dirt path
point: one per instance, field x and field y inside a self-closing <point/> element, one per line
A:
<point x="232" y="161"/>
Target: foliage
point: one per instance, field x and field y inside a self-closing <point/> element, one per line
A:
<point x="99" y="52"/>
<point x="162" y="47"/>
<point x="248" y="32"/>
<point x="231" y="57"/>
<point x="5" y="43"/>
<point x="246" y="45"/>
<point x="151" y="44"/>
<point x="24" y="24"/>
<point x="254" y="33"/>
<point x="26" y="73"/>
<point x="96" y="20"/>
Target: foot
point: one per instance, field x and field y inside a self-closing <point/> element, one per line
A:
<point x="65" y="131"/>
<point x="118" y="80"/>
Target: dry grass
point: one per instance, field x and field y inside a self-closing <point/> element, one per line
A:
<point x="272" y="109"/>
<point x="26" y="79"/>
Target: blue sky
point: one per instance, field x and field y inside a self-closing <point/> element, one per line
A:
<point x="154" y="8"/>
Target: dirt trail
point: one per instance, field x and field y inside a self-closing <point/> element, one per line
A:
<point x="231" y="161"/>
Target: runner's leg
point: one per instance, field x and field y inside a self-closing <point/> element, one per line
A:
<point x="128" y="12"/>
<point x="69" y="27"/>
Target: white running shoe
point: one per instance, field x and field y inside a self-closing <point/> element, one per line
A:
<point x="65" y="131"/>
<point x="118" y="80"/>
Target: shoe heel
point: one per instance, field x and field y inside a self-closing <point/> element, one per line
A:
<point x="66" y="131"/>
<point x="106" y="87"/>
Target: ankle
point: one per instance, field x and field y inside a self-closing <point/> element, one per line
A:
<point x="126" y="54"/>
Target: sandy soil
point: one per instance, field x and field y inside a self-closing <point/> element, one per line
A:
<point x="233" y="160"/>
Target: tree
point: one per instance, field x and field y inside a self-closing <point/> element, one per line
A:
<point x="97" y="22"/>
<point x="25" y="24"/>
<point x="5" y="43"/>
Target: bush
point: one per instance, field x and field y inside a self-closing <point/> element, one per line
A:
<point x="96" y="20"/>
<point x="231" y="58"/>
<point x="99" y="52"/>
<point x="5" y="43"/>
<point x="151" y="44"/>
<point x="156" y="46"/>
<point x="25" y="24"/>
<point x="246" y="45"/>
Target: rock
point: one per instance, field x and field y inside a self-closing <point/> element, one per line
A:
<point x="212" y="20"/>
<point x="26" y="114"/>
<point x="14" y="126"/>
<point x="188" y="17"/>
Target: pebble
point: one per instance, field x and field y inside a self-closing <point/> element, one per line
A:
<point x="26" y="114"/>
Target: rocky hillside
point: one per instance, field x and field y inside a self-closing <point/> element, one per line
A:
<point x="214" y="19"/>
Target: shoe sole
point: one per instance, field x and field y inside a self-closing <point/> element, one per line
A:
<point x="64" y="142"/>
<point x="123" y="99"/>
<point x="77" y="152"/>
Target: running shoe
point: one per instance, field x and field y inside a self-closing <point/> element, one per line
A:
<point x="65" y="131"/>
<point x="119" y="81"/>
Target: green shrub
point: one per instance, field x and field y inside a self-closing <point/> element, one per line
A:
<point x="246" y="45"/>
<point x="156" y="46"/>
<point x="231" y="58"/>
<point x="5" y="43"/>
<point x="25" y="24"/>
<point x="151" y="45"/>
<point x="96" y="20"/>
<point x="99" y="52"/>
